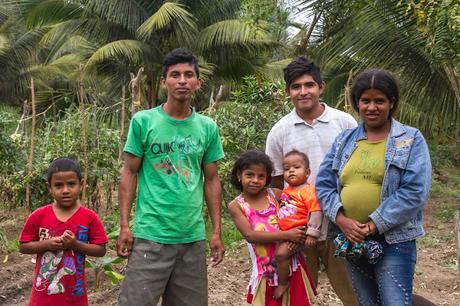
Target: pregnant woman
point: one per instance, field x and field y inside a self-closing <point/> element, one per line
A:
<point x="373" y="184"/>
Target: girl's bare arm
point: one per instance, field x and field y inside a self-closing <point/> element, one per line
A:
<point x="295" y="235"/>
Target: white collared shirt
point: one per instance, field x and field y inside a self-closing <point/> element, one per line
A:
<point x="292" y="133"/>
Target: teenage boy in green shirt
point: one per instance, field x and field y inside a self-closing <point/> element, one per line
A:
<point x="171" y="155"/>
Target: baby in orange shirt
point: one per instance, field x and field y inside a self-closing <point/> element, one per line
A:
<point x="299" y="206"/>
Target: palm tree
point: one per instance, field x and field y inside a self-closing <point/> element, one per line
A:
<point x="123" y="35"/>
<point x="23" y="56"/>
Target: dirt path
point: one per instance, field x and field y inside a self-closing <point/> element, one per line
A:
<point x="436" y="272"/>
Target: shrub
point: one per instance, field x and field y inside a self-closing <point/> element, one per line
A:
<point x="55" y="138"/>
<point x="245" y="121"/>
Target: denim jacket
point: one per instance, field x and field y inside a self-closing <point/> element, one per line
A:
<point x="405" y="186"/>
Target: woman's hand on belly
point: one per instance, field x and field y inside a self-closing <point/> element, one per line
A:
<point x="355" y="231"/>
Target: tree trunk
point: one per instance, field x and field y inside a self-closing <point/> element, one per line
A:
<point x="214" y="101"/>
<point x="122" y="127"/>
<point x="156" y="89"/>
<point x="32" y="145"/>
<point x="454" y="79"/>
<point x="94" y="130"/>
<point x="301" y="49"/>
<point x="83" y="131"/>
<point x="457" y="238"/>
<point x="136" y="90"/>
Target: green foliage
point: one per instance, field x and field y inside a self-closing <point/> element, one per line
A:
<point x="231" y="237"/>
<point x="55" y="139"/>
<point x="445" y="158"/>
<point x="430" y="241"/>
<point x="12" y="156"/>
<point x="446" y="154"/>
<point x="105" y="264"/>
<point x="445" y="213"/>
<point x="114" y="38"/>
<point x="245" y="121"/>
<point x="356" y="35"/>
<point x="268" y="15"/>
<point x="439" y="22"/>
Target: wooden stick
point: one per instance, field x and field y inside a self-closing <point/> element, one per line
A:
<point x="136" y="90"/>
<point x="83" y="131"/>
<point x="457" y="238"/>
<point x="32" y="145"/>
<point x="122" y="119"/>
<point x="95" y="144"/>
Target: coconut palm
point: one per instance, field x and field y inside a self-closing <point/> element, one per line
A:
<point x="23" y="56"/>
<point x="127" y="34"/>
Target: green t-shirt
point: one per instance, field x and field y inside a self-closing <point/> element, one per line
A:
<point x="170" y="178"/>
<point x="362" y="179"/>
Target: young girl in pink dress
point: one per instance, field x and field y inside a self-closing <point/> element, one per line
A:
<point x="254" y="213"/>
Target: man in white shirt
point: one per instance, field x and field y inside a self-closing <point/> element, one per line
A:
<point x="311" y="128"/>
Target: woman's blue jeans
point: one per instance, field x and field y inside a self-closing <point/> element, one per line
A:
<point x="389" y="281"/>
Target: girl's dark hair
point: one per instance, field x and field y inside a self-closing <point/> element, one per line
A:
<point x="375" y="79"/>
<point x="299" y="67"/>
<point x="62" y="164"/>
<point x="178" y="56"/>
<point x="245" y="160"/>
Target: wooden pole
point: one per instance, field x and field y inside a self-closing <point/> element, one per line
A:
<point x="94" y="132"/>
<point x="348" y="107"/>
<point x="457" y="238"/>
<point x="136" y="90"/>
<point x="32" y="145"/>
<point x="122" y="119"/>
<point x="83" y="131"/>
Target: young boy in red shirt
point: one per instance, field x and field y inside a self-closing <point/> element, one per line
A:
<point x="62" y="234"/>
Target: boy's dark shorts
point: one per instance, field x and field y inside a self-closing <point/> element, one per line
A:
<point x="177" y="272"/>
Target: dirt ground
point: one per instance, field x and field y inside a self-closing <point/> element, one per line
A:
<point x="436" y="275"/>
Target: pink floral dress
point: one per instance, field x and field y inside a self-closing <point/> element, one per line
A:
<point x="264" y="276"/>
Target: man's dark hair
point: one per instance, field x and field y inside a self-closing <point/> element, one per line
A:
<point x="63" y="164"/>
<point x="177" y="56"/>
<point x="299" y="67"/>
<point x="245" y="160"/>
<point x="301" y="154"/>
<point x="375" y="79"/>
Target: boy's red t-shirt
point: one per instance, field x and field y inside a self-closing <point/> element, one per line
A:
<point x="59" y="277"/>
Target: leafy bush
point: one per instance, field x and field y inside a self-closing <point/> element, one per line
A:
<point x="245" y="121"/>
<point x="445" y="155"/>
<point x="62" y="138"/>
<point x="12" y="156"/>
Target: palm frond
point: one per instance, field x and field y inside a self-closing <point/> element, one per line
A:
<point x="208" y="12"/>
<point x="89" y="28"/>
<point x="74" y="45"/>
<point x="232" y="32"/>
<point x="39" y="13"/>
<point x="129" y="14"/>
<point x="274" y="70"/>
<point x="170" y="16"/>
<point x="383" y="34"/>
<point x="133" y="50"/>
<point x="65" y="67"/>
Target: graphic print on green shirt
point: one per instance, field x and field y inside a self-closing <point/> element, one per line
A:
<point x="170" y="179"/>
<point x="362" y="179"/>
